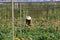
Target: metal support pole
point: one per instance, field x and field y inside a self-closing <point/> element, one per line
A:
<point x="20" y="14"/>
<point x="13" y="18"/>
<point x="47" y="13"/>
<point x="20" y="21"/>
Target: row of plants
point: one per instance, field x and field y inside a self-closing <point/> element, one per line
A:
<point x="38" y="32"/>
<point x="5" y="33"/>
<point x="25" y="32"/>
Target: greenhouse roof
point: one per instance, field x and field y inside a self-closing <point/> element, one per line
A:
<point x="29" y="0"/>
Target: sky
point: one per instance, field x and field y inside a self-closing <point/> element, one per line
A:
<point x="27" y="0"/>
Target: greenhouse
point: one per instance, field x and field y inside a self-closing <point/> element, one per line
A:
<point x="29" y="19"/>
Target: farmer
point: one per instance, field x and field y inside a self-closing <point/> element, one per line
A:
<point x="28" y="20"/>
